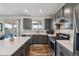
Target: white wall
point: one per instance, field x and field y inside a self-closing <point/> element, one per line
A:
<point x="21" y="22"/>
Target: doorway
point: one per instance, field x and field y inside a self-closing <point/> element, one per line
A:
<point x="12" y="26"/>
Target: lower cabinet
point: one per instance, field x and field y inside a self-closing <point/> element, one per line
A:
<point x="23" y="50"/>
<point x="28" y="47"/>
<point x="39" y="39"/>
<point x="19" y="52"/>
<point x="51" y="43"/>
<point x="62" y="51"/>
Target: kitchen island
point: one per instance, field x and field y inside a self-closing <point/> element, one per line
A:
<point x="11" y="47"/>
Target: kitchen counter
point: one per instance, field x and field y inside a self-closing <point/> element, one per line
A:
<point x="8" y="47"/>
<point x="38" y="34"/>
<point x="67" y="44"/>
<point x="50" y="35"/>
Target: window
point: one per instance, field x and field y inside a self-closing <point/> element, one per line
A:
<point x="11" y="28"/>
<point x="8" y="26"/>
<point x="37" y="25"/>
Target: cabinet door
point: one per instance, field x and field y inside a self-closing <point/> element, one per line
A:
<point x="68" y="12"/>
<point x="48" y="24"/>
<point x="59" y="14"/>
<point x="68" y="15"/>
<point x="27" y="23"/>
<point x="43" y="39"/>
<point x="53" y="23"/>
<point x="28" y="47"/>
<point x="58" y="49"/>
<point x="39" y="39"/>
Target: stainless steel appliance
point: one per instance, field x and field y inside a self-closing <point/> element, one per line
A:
<point x="53" y="43"/>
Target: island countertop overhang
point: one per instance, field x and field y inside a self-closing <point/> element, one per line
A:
<point x="8" y="47"/>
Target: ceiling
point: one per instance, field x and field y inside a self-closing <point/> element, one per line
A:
<point x="32" y="9"/>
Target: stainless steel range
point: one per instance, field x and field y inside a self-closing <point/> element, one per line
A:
<point x="52" y="41"/>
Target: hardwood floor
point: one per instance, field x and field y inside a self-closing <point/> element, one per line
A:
<point x="39" y="50"/>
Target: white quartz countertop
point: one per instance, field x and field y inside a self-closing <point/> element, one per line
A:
<point x="8" y="47"/>
<point x="67" y="44"/>
<point x="50" y="35"/>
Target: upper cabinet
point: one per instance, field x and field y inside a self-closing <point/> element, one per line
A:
<point x="48" y="23"/>
<point x="27" y="23"/>
<point x="68" y="16"/>
<point x="53" y="22"/>
<point x="59" y="14"/>
<point x="68" y="12"/>
<point x="64" y="17"/>
<point x="59" y="19"/>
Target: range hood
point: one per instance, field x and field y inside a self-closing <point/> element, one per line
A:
<point x="61" y="20"/>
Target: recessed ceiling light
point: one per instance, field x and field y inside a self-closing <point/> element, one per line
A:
<point x="26" y="10"/>
<point x="40" y="11"/>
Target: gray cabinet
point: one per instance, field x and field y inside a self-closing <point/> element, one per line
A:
<point x="68" y="12"/>
<point x="19" y="52"/>
<point x="23" y="50"/>
<point x="39" y="39"/>
<point x="59" y="14"/>
<point x="53" y="22"/>
<point x="65" y="15"/>
<point x="51" y="43"/>
<point x="68" y="16"/>
<point x="27" y="23"/>
<point x="28" y="47"/>
<point x="48" y="24"/>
